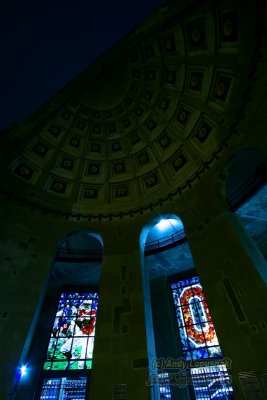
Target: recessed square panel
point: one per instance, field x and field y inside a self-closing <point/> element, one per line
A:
<point x="170" y="76"/>
<point x="143" y="158"/>
<point x="74" y="141"/>
<point x="196" y="36"/>
<point x="93" y="168"/>
<point x="183" y="116"/>
<point x="89" y="193"/>
<point x="195" y="81"/>
<point x="97" y="114"/>
<point x="122" y="191"/>
<point x="169" y="44"/>
<point x="164" y="104"/>
<point x="96" y="129"/>
<point x="127" y="123"/>
<point x="40" y="149"/>
<point x="58" y="186"/>
<point x="179" y="162"/>
<point x="139" y="111"/>
<point x="149" y="51"/>
<point x="66" y="115"/>
<point x="112" y="128"/>
<point x="164" y="141"/>
<point x="151" y="124"/>
<point x="128" y="101"/>
<point x="151" y="181"/>
<point x="230" y="26"/>
<point x="119" y="167"/>
<point x="120" y="109"/>
<point x="85" y="111"/>
<point x="148" y="95"/>
<point x="80" y="125"/>
<point x="135" y="139"/>
<point x="203" y="132"/>
<point x="115" y="146"/>
<point x="222" y="87"/>
<point x="54" y="130"/>
<point x="151" y="75"/>
<point x="66" y="163"/>
<point x="24" y="171"/>
<point x="136" y="73"/>
<point x="95" y="147"/>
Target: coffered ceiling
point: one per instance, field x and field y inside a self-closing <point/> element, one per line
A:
<point x="144" y="122"/>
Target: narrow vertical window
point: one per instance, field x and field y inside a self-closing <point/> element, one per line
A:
<point x="64" y="388"/>
<point x="199" y="341"/>
<point x="164" y="386"/>
<point x="70" y="347"/>
<point x="72" y="338"/>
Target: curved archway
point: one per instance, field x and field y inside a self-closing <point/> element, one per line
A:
<point x="177" y="317"/>
<point x="163" y="246"/>
<point x="63" y="339"/>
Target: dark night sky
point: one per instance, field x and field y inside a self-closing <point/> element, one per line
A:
<point x="45" y="44"/>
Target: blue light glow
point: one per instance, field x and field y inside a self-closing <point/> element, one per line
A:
<point x="23" y="370"/>
<point x="169" y="224"/>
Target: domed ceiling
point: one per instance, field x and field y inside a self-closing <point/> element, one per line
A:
<point x="141" y="124"/>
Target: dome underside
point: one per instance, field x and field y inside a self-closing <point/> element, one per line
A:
<point x="144" y="128"/>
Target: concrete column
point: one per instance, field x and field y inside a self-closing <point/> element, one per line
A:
<point x="227" y="262"/>
<point x="120" y="353"/>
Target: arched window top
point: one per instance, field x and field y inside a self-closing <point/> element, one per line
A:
<point x="162" y="232"/>
<point x="82" y="240"/>
<point x="74" y="252"/>
<point x="81" y="245"/>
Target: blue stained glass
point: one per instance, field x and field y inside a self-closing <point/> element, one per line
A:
<point x="200" y="354"/>
<point x="51" y="348"/>
<point x="193" y="318"/>
<point x="180" y="320"/>
<point x="187" y="355"/>
<point x="72" y="336"/>
<point x="164" y="386"/>
<point x="184" y="339"/>
<point x="64" y="389"/>
<point x="215" y="352"/>
<point x="212" y="382"/>
<point x="199" y="341"/>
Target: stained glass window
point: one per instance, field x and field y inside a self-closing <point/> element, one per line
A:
<point x="164" y="386"/>
<point x="64" y="389"/>
<point x="197" y="333"/>
<point x="72" y="338"/>
<point x="199" y="341"/>
<point x="211" y="382"/>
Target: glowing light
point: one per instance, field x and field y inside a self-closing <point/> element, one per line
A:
<point x="23" y="370"/>
<point x="163" y="224"/>
<point x="169" y="223"/>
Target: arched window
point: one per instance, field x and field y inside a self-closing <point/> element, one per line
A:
<point x="189" y="361"/>
<point x="71" y="345"/>
<point x="61" y="352"/>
